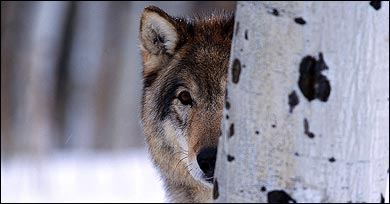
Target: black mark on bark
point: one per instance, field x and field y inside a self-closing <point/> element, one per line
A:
<point x="376" y="4"/>
<point x="293" y="100"/>
<point x="231" y="130"/>
<point x="263" y="189"/>
<point x="307" y="129"/>
<point x="215" y="189"/>
<point x="296" y="154"/>
<point x="246" y="34"/>
<point x="227" y="105"/>
<point x="273" y="126"/>
<point x="275" y="12"/>
<point x="300" y="21"/>
<point x="237" y="27"/>
<point x="311" y="82"/>
<point x="257" y="132"/>
<point x="236" y="71"/>
<point x="279" y="196"/>
<point x="332" y="159"/>
<point x="227" y="117"/>
<point x="230" y="158"/>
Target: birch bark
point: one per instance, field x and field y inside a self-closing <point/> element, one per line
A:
<point x="307" y="114"/>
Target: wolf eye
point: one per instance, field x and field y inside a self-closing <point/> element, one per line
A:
<point x="185" y="98"/>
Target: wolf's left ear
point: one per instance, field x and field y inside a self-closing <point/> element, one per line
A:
<point x="159" y="35"/>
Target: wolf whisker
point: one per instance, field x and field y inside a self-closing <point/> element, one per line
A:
<point x="180" y="152"/>
<point x="186" y="157"/>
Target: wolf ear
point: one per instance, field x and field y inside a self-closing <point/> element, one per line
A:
<point x="159" y="35"/>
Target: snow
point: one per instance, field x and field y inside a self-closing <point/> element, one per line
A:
<point x="81" y="177"/>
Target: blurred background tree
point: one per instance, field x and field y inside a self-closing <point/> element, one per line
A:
<point x="71" y="77"/>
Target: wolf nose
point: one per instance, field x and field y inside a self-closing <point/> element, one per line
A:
<point x="206" y="160"/>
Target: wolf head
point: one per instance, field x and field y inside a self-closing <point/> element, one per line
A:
<point x="185" y="72"/>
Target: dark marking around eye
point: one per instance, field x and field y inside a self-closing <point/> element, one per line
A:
<point x="376" y="4"/>
<point x="231" y="130"/>
<point x="263" y="189"/>
<point x="164" y="101"/>
<point x="236" y="71"/>
<point x="230" y="158"/>
<point x="312" y="83"/>
<point x="246" y="34"/>
<point x="279" y="196"/>
<point x="332" y="159"/>
<point x="215" y="189"/>
<point x="306" y="128"/>
<point x="293" y="100"/>
<point x="300" y="21"/>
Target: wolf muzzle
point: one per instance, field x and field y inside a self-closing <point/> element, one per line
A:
<point x="206" y="161"/>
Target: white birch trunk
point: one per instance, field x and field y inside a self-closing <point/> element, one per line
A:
<point x="334" y="148"/>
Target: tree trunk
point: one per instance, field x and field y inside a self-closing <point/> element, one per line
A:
<point x="30" y="39"/>
<point x="307" y="111"/>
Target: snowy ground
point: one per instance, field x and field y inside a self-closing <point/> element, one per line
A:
<point x="81" y="177"/>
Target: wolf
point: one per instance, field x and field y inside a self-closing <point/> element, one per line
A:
<point x="185" y="63"/>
